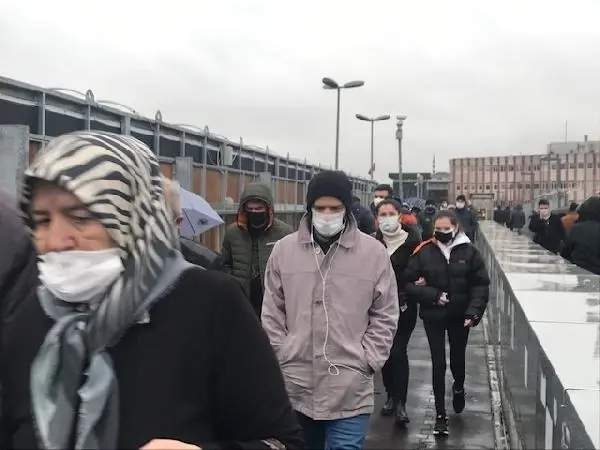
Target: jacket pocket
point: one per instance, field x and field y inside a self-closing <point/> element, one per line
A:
<point x="284" y="351"/>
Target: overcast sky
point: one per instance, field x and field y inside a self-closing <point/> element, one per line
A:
<point x="475" y="78"/>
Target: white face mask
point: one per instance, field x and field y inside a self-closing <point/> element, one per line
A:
<point x="389" y="224"/>
<point x="77" y="276"/>
<point x="377" y="200"/>
<point x="460" y="205"/>
<point x="328" y="225"/>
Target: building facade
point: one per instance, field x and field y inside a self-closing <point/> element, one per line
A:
<point x="569" y="170"/>
<point x="424" y="185"/>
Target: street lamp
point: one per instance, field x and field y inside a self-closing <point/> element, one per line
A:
<point x="399" y="126"/>
<point x="372" y="120"/>
<point x="329" y="83"/>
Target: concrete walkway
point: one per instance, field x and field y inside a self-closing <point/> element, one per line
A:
<point x="472" y="429"/>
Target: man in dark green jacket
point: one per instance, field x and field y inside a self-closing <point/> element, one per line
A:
<point x="250" y="239"/>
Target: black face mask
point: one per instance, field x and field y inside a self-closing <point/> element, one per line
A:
<point x="257" y="219"/>
<point x="430" y="209"/>
<point x="444" y="237"/>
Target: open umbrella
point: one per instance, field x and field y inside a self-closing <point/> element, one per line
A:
<point x="198" y="215"/>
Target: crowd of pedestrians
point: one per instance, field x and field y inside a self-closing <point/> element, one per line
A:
<point x="119" y="333"/>
<point x="573" y="234"/>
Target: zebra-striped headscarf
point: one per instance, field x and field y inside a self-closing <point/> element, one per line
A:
<point x="118" y="179"/>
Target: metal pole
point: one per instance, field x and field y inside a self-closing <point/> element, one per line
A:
<point x="400" y="183"/>
<point x="372" y="150"/>
<point x="558" y="181"/>
<point x="337" y="131"/>
<point x="532" y="181"/>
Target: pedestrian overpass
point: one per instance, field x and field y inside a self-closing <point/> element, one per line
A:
<point x="533" y="365"/>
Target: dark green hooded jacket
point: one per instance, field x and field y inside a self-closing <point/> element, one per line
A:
<point x="237" y="244"/>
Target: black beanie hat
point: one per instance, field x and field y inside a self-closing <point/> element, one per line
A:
<point x="330" y="183"/>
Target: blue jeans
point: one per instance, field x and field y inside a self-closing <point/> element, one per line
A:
<point x="339" y="434"/>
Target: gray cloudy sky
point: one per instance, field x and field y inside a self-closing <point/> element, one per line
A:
<point x="474" y="77"/>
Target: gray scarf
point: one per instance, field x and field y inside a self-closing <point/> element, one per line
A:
<point x="73" y="388"/>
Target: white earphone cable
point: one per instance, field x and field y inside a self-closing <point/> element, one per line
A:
<point x="334" y="368"/>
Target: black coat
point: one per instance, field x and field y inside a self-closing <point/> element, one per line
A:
<point x="364" y="218"/>
<point x="18" y="259"/>
<point x="464" y="279"/>
<point x="468" y="221"/>
<point x="400" y="259"/>
<point x="548" y="233"/>
<point x="425" y="220"/>
<point x="582" y="246"/>
<point x="517" y="219"/>
<point x="202" y="371"/>
<point x="200" y="255"/>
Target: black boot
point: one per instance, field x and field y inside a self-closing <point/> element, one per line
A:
<point x="401" y="415"/>
<point x="389" y="407"/>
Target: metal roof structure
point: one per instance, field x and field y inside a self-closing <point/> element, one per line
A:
<point x="50" y="112"/>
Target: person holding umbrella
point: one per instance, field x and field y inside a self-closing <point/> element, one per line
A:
<point x="192" y="251"/>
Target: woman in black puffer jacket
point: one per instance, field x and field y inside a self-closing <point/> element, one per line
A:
<point x="448" y="277"/>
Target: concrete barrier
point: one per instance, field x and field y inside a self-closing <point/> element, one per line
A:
<point x="544" y="324"/>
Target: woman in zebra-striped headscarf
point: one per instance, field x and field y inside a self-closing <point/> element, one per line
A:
<point x="135" y="344"/>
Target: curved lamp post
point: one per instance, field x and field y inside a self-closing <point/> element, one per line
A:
<point x="329" y="83"/>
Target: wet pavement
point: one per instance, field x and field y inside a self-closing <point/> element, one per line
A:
<point x="472" y="429"/>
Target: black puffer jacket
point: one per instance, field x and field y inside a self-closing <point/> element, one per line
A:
<point x="464" y="278"/>
<point x="582" y="246"/>
<point x="400" y="259"/>
<point x="549" y="233"/>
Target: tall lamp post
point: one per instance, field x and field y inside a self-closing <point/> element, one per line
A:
<point x="399" y="126"/>
<point x="372" y="120"/>
<point x="329" y="83"/>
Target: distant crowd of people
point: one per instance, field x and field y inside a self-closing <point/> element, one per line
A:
<point x="277" y="269"/>
<point x="574" y="233"/>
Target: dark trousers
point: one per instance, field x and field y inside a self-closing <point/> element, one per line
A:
<point x="458" y="335"/>
<point x="396" y="369"/>
<point x="256" y="295"/>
